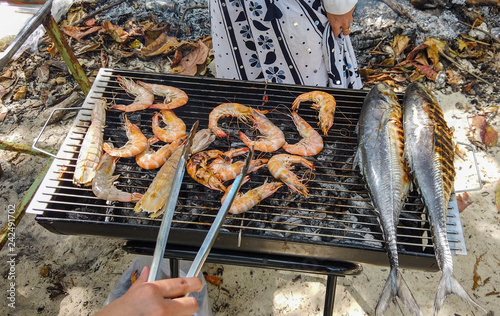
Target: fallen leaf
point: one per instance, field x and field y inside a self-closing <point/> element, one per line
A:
<point x="177" y="58"/>
<point x="20" y="93"/>
<point x="163" y="44"/>
<point x="213" y="279"/>
<point x="399" y="44"/>
<point x="198" y="56"/>
<point x="463" y="200"/>
<point x="490" y="136"/>
<point x="454" y="78"/>
<point x="80" y="32"/>
<point x="465" y="45"/>
<point x="133" y="277"/>
<point x="116" y="32"/>
<point x="426" y="70"/>
<point x="476" y="277"/>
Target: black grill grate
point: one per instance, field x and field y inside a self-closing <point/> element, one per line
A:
<point x="335" y="222"/>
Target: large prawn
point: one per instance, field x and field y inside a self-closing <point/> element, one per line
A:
<point x="150" y="159"/>
<point x="272" y="137"/>
<point x="225" y="169"/>
<point x="136" y="144"/>
<point x="159" y="190"/>
<point x="198" y="168"/>
<point x="143" y="97"/>
<point x="174" y="129"/>
<point x="102" y="184"/>
<point x="91" y="149"/>
<point x="237" y="110"/>
<point x="245" y="201"/>
<point x="323" y="102"/>
<point x="310" y="144"/>
<point x="174" y="97"/>
<point x="280" y="167"/>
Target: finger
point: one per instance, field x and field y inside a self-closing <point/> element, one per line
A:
<point x="346" y="29"/>
<point x="336" y="30"/>
<point x="182" y="306"/>
<point x="178" y="286"/>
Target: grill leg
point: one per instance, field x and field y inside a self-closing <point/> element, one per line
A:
<point x="174" y="268"/>
<point x="331" y="284"/>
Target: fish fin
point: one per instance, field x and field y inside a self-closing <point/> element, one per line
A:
<point x="357" y="160"/>
<point x="448" y="284"/>
<point x="396" y="286"/>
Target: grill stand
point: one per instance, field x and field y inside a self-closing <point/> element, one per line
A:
<point x="331" y="269"/>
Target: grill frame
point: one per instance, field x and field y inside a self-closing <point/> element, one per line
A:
<point x="249" y="93"/>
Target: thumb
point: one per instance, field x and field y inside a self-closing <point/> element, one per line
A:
<point x="143" y="277"/>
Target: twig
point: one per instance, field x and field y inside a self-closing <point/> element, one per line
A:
<point x="463" y="69"/>
<point x="474" y="40"/>
<point x="96" y="12"/>
<point x="485" y="32"/>
<point x="401" y="11"/>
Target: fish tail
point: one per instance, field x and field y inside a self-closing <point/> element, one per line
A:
<point x="396" y="286"/>
<point x="448" y="284"/>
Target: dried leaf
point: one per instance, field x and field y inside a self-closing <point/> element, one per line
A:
<point x="90" y="47"/>
<point x="213" y="279"/>
<point x="490" y="137"/>
<point x="463" y="200"/>
<point x="416" y="75"/>
<point x="426" y="70"/>
<point x="116" y="32"/>
<point x="135" y="44"/>
<point x="20" y="93"/>
<point x="163" y="44"/>
<point x="399" y="44"/>
<point x="177" y="58"/>
<point x="198" y="56"/>
<point x="476" y="277"/>
<point x="133" y="277"/>
<point x="454" y="78"/>
<point x="80" y="32"/>
<point x="432" y="52"/>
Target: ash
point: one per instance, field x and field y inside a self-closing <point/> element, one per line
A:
<point x="374" y="21"/>
<point x="195" y="24"/>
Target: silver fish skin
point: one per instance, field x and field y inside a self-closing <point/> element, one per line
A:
<point x="380" y="158"/>
<point x="429" y="149"/>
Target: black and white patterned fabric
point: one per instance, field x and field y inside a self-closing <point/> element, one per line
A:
<point x="281" y="41"/>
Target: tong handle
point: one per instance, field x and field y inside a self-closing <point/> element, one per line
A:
<point x="202" y="254"/>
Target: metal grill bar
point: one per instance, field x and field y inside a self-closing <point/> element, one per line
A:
<point x="338" y="214"/>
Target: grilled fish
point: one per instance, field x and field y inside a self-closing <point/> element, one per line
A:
<point x="429" y="150"/>
<point x="381" y="161"/>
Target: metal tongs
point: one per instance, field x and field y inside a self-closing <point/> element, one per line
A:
<point x="202" y="254"/>
<point x="169" y="207"/>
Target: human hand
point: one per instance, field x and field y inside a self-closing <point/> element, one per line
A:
<point x="149" y="298"/>
<point x="341" y="21"/>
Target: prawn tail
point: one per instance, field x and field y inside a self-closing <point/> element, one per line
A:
<point x="448" y="284"/>
<point x="396" y="286"/>
<point x="136" y="196"/>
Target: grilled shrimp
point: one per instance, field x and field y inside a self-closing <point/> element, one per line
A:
<point x="136" y="144"/>
<point x="280" y="165"/>
<point x="311" y="143"/>
<point x="174" y="129"/>
<point x="272" y="137"/>
<point x="150" y="159"/>
<point x="159" y="190"/>
<point x="102" y="184"/>
<point x="323" y="102"/>
<point x="91" y="149"/>
<point x="199" y="169"/>
<point x="240" y="111"/>
<point x="201" y="140"/>
<point x="224" y="168"/>
<point x="244" y="202"/>
<point x="143" y="97"/>
<point x="174" y="97"/>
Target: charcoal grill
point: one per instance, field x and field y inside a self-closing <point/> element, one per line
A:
<point x="332" y="232"/>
